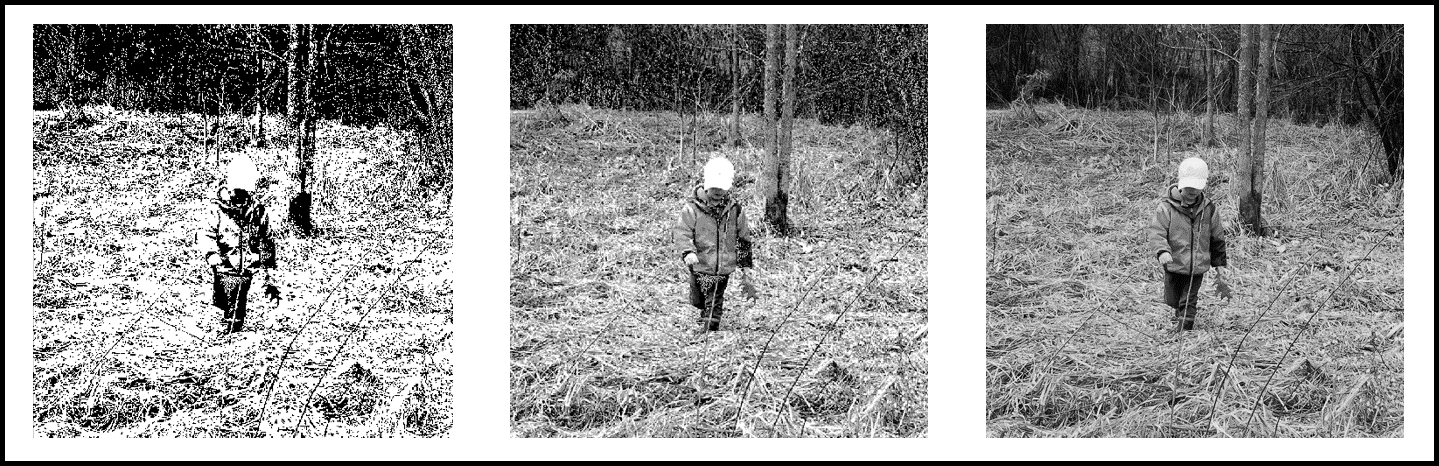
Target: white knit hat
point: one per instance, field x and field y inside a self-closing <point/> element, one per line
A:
<point x="1193" y="173"/>
<point x="242" y="173"/>
<point x="719" y="173"/>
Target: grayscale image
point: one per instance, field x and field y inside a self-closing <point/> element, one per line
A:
<point x="719" y="230"/>
<point x="1195" y="230"/>
<point x="242" y="230"/>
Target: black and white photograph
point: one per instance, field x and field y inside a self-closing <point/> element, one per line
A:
<point x="242" y="230"/>
<point x="1195" y="230"/>
<point x="718" y="230"/>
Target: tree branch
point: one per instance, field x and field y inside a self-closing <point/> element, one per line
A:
<point x="1201" y="49"/>
<point x="255" y="50"/>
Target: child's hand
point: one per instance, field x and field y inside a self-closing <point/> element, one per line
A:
<point x="691" y="259"/>
<point x="1165" y="258"/>
<point x="747" y="288"/>
<point x="1223" y="288"/>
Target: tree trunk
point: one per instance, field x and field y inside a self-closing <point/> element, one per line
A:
<point x="221" y="106"/>
<point x="771" y="189"/>
<point x="301" y="62"/>
<point x="292" y="83"/>
<point x="1153" y="109"/>
<point x="1208" y="98"/>
<point x="259" y="97"/>
<point x="308" y="100"/>
<point x="1262" y="87"/>
<point x="771" y="85"/>
<point x="734" y="86"/>
<point x="777" y="206"/>
<point x="791" y="56"/>
<point x="1247" y="186"/>
<point x="301" y="103"/>
<point x="67" y="70"/>
<point x="419" y="81"/>
<point x="1383" y="82"/>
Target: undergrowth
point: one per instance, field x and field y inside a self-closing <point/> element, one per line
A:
<point x="1078" y="341"/>
<point x="602" y="338"/>
<point x="125" y="339"/>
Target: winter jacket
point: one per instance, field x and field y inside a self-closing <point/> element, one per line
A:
<point x="1193" y="236"/>
<point x="227" y="234"/>
<point x="721" y="240"/>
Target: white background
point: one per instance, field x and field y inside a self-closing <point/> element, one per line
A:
<point x="956" y="417"/>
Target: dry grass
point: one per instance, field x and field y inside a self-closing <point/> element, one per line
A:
<point x="127" y="344"/>
<point x="602" y="340"/>
<point x="1078" y="342"/>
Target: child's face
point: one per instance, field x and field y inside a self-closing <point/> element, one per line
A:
<point x="234" y="196"/>
<point x="1189" y="194"/>
<point x="716" y="197"/>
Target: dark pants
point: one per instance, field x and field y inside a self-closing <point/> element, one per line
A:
<point x="707" y="294"/>
<point x="1181" y="292"/>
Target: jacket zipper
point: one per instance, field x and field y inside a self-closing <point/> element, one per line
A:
<point x="1192" y="246"/>
<point x="719" y="224"/>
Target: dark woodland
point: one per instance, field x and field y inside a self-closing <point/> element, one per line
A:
<point x="1347" y="73"/>
<point x="850" y="74"/>
<point x="203" y="69"/>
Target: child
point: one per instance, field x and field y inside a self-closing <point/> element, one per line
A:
<point x="1187" y="239"/>
<point x="712" y="236"/>
<point x="241" y="237"/>
<point x="244" y="220"/>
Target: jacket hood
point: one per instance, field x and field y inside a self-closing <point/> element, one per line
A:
<point x="698" y="198"/>
<point x="1170" y="195"/>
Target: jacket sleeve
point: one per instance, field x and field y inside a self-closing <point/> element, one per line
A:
<point x="1218" y="247"/>
<point x="745" y="246"/>
<point x="1158" y="231"/>
<point x="265" y="241"/>
<point x="261" y="220"/>
<point x="684" y="231"/>
<point x="221" y="237"/>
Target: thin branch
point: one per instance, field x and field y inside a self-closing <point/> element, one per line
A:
<point x="1197" y="49"/>
<point x="1307" y="324"/>
<point x="255" y="50"/>
<point x="834" y="324"/>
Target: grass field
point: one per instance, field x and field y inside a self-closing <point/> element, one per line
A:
<point x="602" y="339"/>
<point x="1078" y="343"/>
<point x="126" y="342"/>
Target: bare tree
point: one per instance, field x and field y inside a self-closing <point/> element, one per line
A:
<point x="1253" y="117"/>
<point x="307" y="102"/>
<point x="1244" y="185"/>
<point x="770" y="187"/>
<point x="771" y="84"/>
<point x="292" y="83"/>
<point x="787" y="118"/>
<point x="1208" y="137"/>
<point x="770" y="174"/>
<point x="1262" y="87"/>
<point x="302" y="62"/>
<point x="1379" y="83"/>
<point x="259" y="98"/>
<point x="66" y="42"/>
<point x="734" y="86"/>
<point x="419" y="75"/>
<point x="776" y="209"/>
